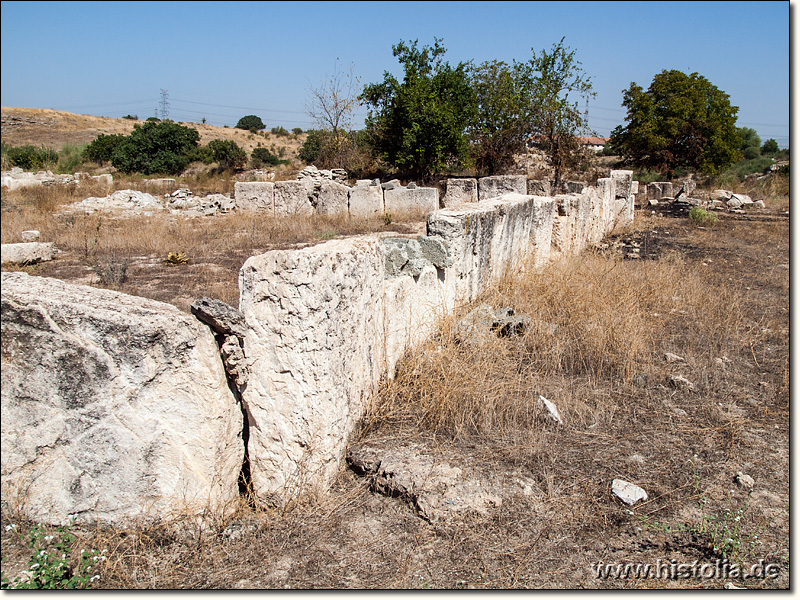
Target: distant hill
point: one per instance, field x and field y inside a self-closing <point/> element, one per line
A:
<point x="55" y="128"/>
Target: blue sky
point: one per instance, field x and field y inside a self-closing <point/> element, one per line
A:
<point x="223" y="60"/>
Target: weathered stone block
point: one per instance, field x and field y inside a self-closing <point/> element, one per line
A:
<point x="498" y="185"/>
<point x="405" y="200"/>
<point x="27" y="252"/>
<point x="659" y="189"/>
<point x="114" y="407"/>
<point x="332" y="198"/>
<point x="366" y="201"/>
<point x="292" y="198"/>
<point x="315" y="352"/>
<point x="256" y="196"/>
<point x="623" y="180"/>
<point x="537" y="187"/>
<point x="460" y="191"/>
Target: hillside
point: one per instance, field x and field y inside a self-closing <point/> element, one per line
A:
<point x="55" y="128"/>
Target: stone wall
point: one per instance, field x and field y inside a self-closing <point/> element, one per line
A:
<point x="323" y="325"/>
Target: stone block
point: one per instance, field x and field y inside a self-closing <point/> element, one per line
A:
<point x="498" y="185"/>
<point x="538" y="187"/>
<point x="115" y="408"/>
<point x="460" y="191"/>
<point x="27" y="252"/>
<point x="291" y="198"/>
<point x="659" y="189"/>
<point x="409" y="200"/>
<point x="623" y="180"/>
<point x="256" y="196"/>
<point x="31" y="235"/>
<point x="332" y="198"/>
<point x="366" y="201"/>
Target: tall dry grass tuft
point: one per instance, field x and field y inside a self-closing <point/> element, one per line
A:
<point x="595" y="321"/>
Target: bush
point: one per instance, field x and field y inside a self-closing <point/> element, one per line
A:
<point x="297" y="130"/>
<point x="310" y="150"/>
<point x="162" y="148"/>
<point x="769" y="147"/>
<point x="201" y="154"/>
<point x="29" y="157"/>
<point x="102" y="148"/>
<point x="131" y="117"/>
<point x="280" y="131"/>
<point x="228" y="154"/>
<point x="153" y="119"/>
<point x="262" y="157"/>
<point x="70" y="157"/>
<point x="702" y="217"/>
<point x="250" y="123"/>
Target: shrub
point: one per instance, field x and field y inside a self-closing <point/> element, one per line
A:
<point x="102" y="148"/>
<point x="153" y="119"/>
<point x="769" y="147"/>
<point x="280" y="131"/>
<point x="29" y="157"/>
<point x="201" y="154"/>
<point x="162" y="147"/>
<point x="262" y="157"/>
<point x="250" y="123"/>
<point x="131" y="117"/>
<point x="701" y="216"/>
<point x="297" y="130"/>
<point x="228" y="154"/>
<point x="70" y="157"/>
<point x="311" y="148"/>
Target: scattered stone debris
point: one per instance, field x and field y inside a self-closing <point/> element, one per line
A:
<point x="679" y="381"/>
<point x="672" y="358"/>
<point x="484" y="322"/>
<point x="318" y="175"/>
<point x="17" y="178"/>
<point x="435" y="489"/>
<point x="627" y="492"/>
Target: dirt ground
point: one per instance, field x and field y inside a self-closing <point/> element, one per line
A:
<point x="545" y="513"/>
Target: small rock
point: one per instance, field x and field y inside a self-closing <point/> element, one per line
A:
<point x="671" y="358"/>
<point x="30" y="236"/>
<point x="744" y="481"/>
<point x="681" y="382"/>
<point x="627" y="492"/>
<point x="552" y="410"/>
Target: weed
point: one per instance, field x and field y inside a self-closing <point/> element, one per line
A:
<point x="387" y="218"/>
<point x="701" y="216"/>
<point x="49" y="568"/>
<point x="176" y="258"/>
<point x="112" y="272"/>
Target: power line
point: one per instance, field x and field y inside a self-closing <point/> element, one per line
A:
<point x="297" y="112"/>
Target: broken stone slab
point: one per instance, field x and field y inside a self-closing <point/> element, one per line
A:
<point x="115" y="408"/>
<point x="551" y="411"/>
<point x="392" y="184"/>
<point x="291" y="198"/>
<point x="31" y="235"/>
<point x="499" y="185"/>
<point x="331" y="198"/>
<point x="405" y="256"/>
<point x="459" y="191"/>
<point x="744" y="481"/>
<point x="484" y="323"/>
<point x="27" y="253"/>
<point x="627" y="492"/>
<point x="436" y="490"/>
<point x="623" y="181"/>
<point x="679" y="381"/>
<point x="220" y="317"/>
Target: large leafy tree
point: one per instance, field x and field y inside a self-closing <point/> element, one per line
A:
<point x="502" y="122"/>
<point x="156" y="147"/>
<point x="419" y="125"/>
<point x="555" y="82"/>
<point x="679" y="121"/>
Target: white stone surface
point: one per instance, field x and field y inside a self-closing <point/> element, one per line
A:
<point x="114" y="407"/>
<point x="499" y="185"/>
<point x="257" y="196"/>
<point x="627" y="492"/>
<point x="331" y="198"/>
<point x="460" y="191"/>
<point x="27" y="252"/>
<point x="291" y="198"/>
<point x="366" y="200"/>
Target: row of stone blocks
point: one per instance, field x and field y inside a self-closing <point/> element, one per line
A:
<point x="117" y="408"/>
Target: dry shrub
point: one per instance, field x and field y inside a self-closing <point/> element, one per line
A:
<point x="595" y="320"/>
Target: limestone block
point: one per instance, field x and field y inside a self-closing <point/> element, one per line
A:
<point x="27" y="252"/>
<point x="659" y="189"/>
<point x="538" y="187"/>
<point x="292" y="198"/>
<point x="31" y="235"/>
<point x="460" y="191"/>
<point x="409" y="200"/>
<point x="574" y="187"/>
<point x="314" y="348"/>
<point x="332" y="198"/>
<point x="257" y="196"/>
<point x="366" y="201"/>
<point x="498" y="185"/>
<point x="114" y="407"/>
<point x="105" y="178"/>
<point x="624" y="182"/>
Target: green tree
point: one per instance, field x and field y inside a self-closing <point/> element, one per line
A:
<point x="679" y="121"/>
<point x="227" y="154"/>
<point x="750" y="142"/>
<point x="553" y="80"/>
<point x="156" y="147"/>
<point x="769" y="147"/>
<point x="261" y="157"/>
<point x="502" y="120"/>
<point x="250" y="123"/>
<point x="102" y="148"/>
<point x="419" y="125"/>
